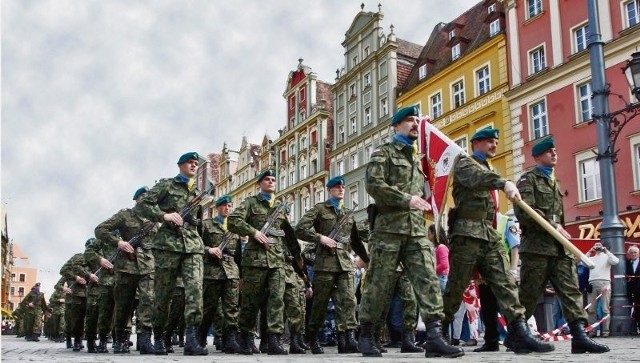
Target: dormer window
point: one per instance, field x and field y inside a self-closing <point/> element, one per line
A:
<point x="422" y="72"/>
<point x="455" y="52"/>
<point x="452" y="34"/>
<point x="491" y="8"/>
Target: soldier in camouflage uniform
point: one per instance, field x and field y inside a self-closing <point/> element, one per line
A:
<point x="263" y="263"/>
<point x="396" y="182"/>
<point x="132" y="274"/>
<point x="294" y="302"/>
<point x="543" y="258"/>
<point x="175" y="322"/>
<point x="333" y="268"/>
<point x="91" y="315"/>
<point x="75" y="273"/>
<point x="475" y="243"/>
<point x="56" y="321"/>
<point x="34" y="306"/>
<point x="178" y="251"/>
<point x="221" y="276"/>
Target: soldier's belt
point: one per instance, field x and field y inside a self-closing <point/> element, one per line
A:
<point x="274" y="232"/>
<point x="477" y="215"/>
<point x="342" y="243"/>
<point x="227" y="258"/>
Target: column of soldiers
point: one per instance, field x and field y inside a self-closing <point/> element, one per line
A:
<point x="263" y="278"/>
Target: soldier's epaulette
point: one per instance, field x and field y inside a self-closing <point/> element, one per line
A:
<point x="377" y="152"/>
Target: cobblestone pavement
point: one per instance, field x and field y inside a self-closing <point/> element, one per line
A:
<point x="623" y="349"/>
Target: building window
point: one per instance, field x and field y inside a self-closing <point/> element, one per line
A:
<point x="340" y="167"/>
<point x="320" y="195"/>
<point x="463" y="143"/>
<point x="302" y="92"/>
<point x="314" y="166"/>
<point x="303" y="115"/>
<point x="367" y="80"/>
<point x="292" y="149"/>
<point x="13" y="277"/>
<point x="22" y="278"/>
<point x="452" y="34"/>
<point x="383" y="69"/>
<point x="353" y="194"/>
<point x="305" y="204"/>
<point x="635" y="157"/>
<point x="367" y="115"/>
<point x="484" y="80"/>
<point x="283" y="156"/>
<point x="354" y="161"/>
<point x="537" y="61"/>
<point x="303" y="143"/>
<point x="458" y="94"/>
<point x="584" y="102"/>
<point x="589" y="175"/>
<point x="534" y="7"/>
<point x="384" y="107"/>
<point x="352" y="90"/>
<point x="314" y="137"/>
<point x="292" y="102"/>
<point x="422" y="72"/>
<point x="341" y="134"/>
<point x="283" y="181"/>
<point x="367" y="152"/>
<point x="292" y="177"/>
<point x="303" y="172"/>
<point x="354" y="61"/>
<point x="366" y="52"/>
<point x="340" y="101"/>
<point x="354" y="127"/>
<point x="491" y="8"/>
<point x="21" y="291"/>
<point x="13" y="291"/>
<point x="631" y="12"/>
<point x="455" y="52"/>
<point x="580" y="38"/>
<point x="539" y="124"/>
<point x="436" y="105"/>
<point x="494" y="27"/>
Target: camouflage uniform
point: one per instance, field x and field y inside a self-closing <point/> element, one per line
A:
<point x="76" y="302"/>
<point x="104" y="290"/>
<point x="91" y="315"/>
<point x="175" y="322"/>
<point x="132" y="275"/>
<point x="221" y="281"/>
<point x="56" y="321"/>
<point x="333" y="269"/>
<point x="262" y="270"/>
<point x="177" y="252"/>
<point x="33" y="314"/>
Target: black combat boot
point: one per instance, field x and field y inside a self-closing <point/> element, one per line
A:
<point x="409" y="343"/>
<point x="191" y="346"/>
<point x="366" y="343"/>
<point x="294" y="345"/>
<point x="145" y="342"/>
<point x="520" y="340"/>
<point x="314" y="344"/>
<point x="230" y="344"/>
<point x="488" y="346"/>
<point x="275" y="347"/>
<point x="124" y="343"/>
<point x="581" y="343"/>
<point x="264" y="344"/>
<point x="340" y="342"/>
<point x="377" y="340"/>
<point x="350" y="342"/>
<point x="302" y="343"/>
<point x="218" y="342"/>
<point x="68" y="339"/>
<point x="245" y="343"/>
<point x="102" y="346"/>
<point x="159" y="339"/>
<point x="77" y="344"/>
<point x="435" y="345"/>
<point x="91" y="344"/>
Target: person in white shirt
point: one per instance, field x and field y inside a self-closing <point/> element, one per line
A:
<point x="600" y="282"/>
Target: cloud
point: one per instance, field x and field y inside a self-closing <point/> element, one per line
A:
<point x="101" y="97"/>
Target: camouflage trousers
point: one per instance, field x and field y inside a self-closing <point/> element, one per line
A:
<point x="224" y="294"/>
<point x="175" y="323"/>
<point x="402" y="288"/>
<point x="536" y="270"/>
<point x="219" y="321"/>
<point x="169" y="265"/>
<point x="416" y="255"/>
<point x="75" y="308"/>
<point x="340" y="286"/>
<point x="262" y="288"/>
<point x="56" y="323"/>
<point x="91" y="315"/>
<point x="125" y="295"/>
<point x="105" y="310"/>
<point x="32" y="321"/>
<point x="489" y="257"/>
<point x="294" y="303"/>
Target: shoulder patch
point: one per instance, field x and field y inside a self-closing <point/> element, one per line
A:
<point x="377" y="152"/>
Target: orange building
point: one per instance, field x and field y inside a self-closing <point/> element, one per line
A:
<point x="22" y="277"/>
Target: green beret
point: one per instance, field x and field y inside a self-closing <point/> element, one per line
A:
<point x="404" y="112"/>
<point x="223" y="200"/>
<point x="338" y="180"/>
<point x="89" y="241"/>
<point x="487" y="133"/>
<point x="139" y="192"/>
<point x="188" y="156"/>
<point x="268" y="172"/>
<point x="542" y="146"/>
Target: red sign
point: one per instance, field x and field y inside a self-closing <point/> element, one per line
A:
<point x="588" y="232"/>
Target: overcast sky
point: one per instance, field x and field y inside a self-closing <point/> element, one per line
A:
<point x="102" y="97"/>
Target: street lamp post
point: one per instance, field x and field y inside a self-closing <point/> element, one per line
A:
<point x="609" y="126"/>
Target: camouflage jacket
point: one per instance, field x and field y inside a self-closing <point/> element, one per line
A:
<point x="545" y="198"/>
<point x="320" y="220"/>
<point x="168" y="196"/>
<point x="76" y="266"/>
<point x="127" y="222"/>
<point x="393" y="176"/>
<point x="227" y="268"/>
<point x="250" y="216"/>
<point x="38" y="301"/>
<point x="93" y="253"/>
<point x="473" y="182"/>
<point x="56" y="302"/>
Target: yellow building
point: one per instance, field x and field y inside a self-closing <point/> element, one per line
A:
<point x="460" y="80"/>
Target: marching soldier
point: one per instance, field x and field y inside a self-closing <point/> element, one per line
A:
<point x="263" y="262"/>
<point x="93" y="295"/>
<point x="221" y="276"/>
<point x="396" y="182"/>
<point x="543" y="258"/>
<point x="333" y="268"/>
<point x="178" y="250"/>
<point x="132" y="274"/>
<point x="56" y="321"/>
<point x="34" y="306"/>
<point x="475" y="243"/>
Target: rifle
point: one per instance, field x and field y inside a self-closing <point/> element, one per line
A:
<point x="302" y="272"/>
<point x="184" y="212"/>
<point x="136" y="240"/>
<point x="272" y="218"/>
<point x="335" y="231"/>
<point x="226" y="239"/>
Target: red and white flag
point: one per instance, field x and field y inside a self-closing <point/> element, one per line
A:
<point x="440" y="152"/>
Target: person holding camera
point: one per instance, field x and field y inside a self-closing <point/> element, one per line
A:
<point x="600" y="283"/>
